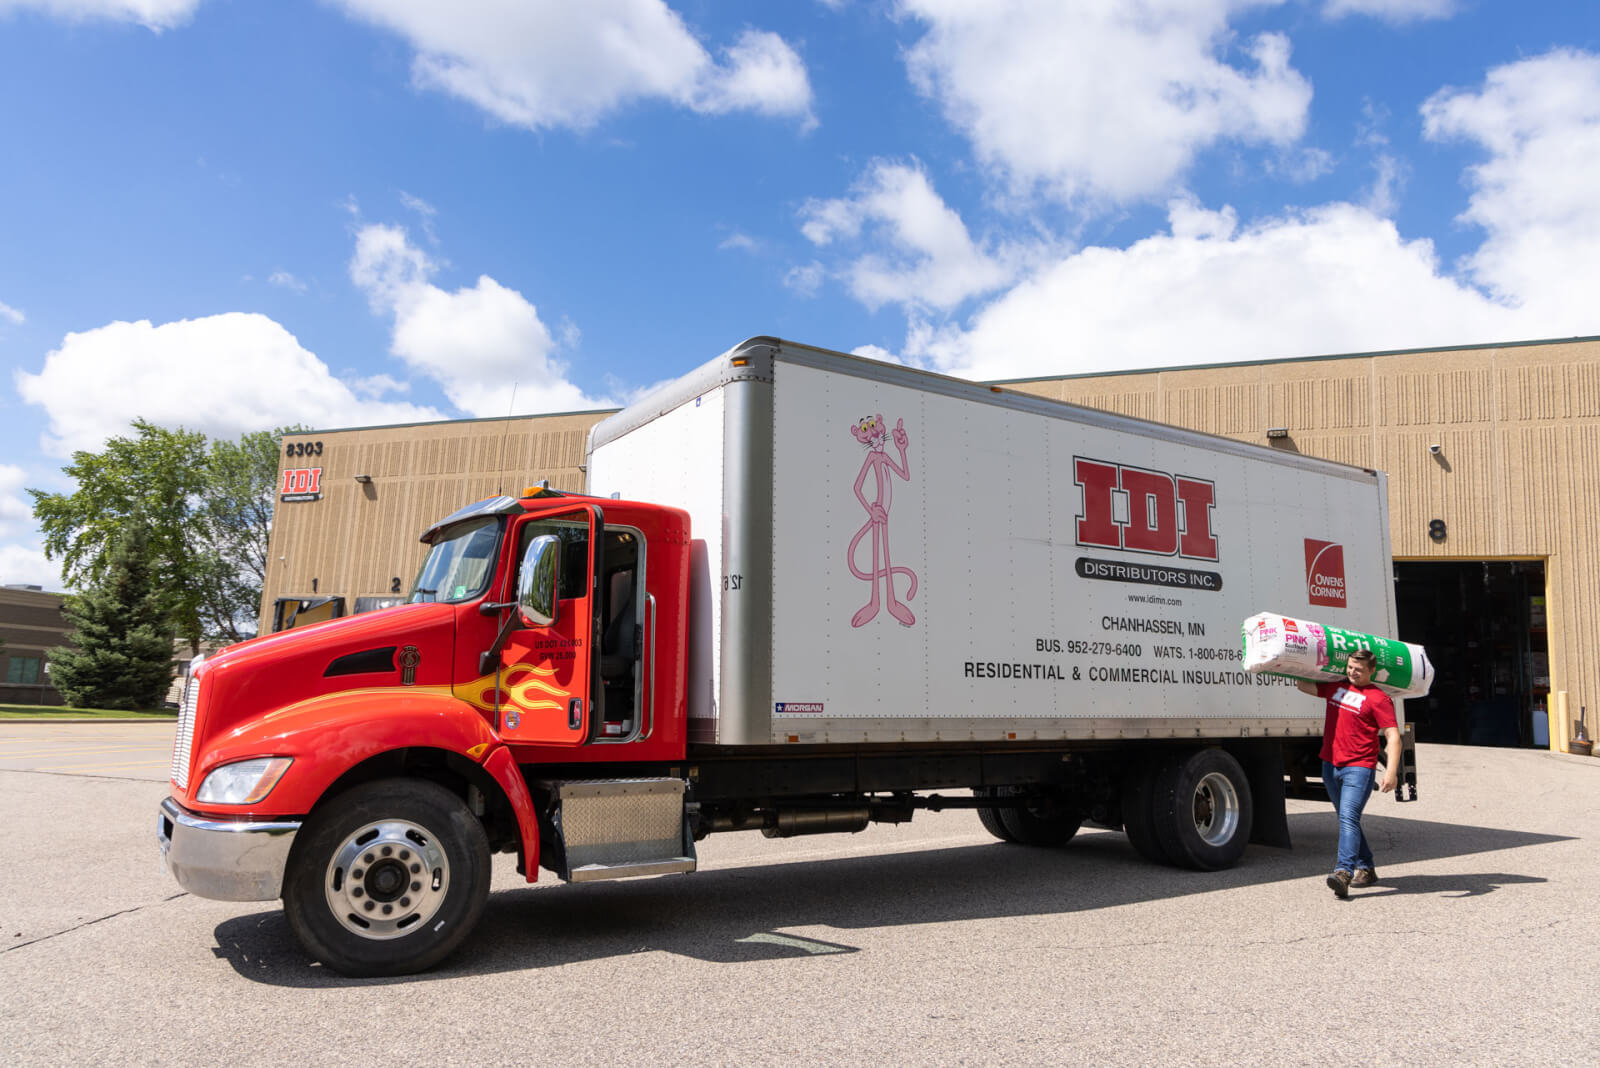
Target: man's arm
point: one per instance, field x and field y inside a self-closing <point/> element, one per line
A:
<point x="1391" y="769"/>
<point x="1306" y="686"/>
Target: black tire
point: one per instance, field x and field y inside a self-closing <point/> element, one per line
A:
<point x="1203" y="810"/>
<point x="1138" y="806"/>
<point x="1041" y="821"/>
<point x="387" y="878"/>
<point x="991" y="817"/>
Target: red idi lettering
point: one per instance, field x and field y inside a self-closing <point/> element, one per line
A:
<point x="1165" y="514"/>
<point x="302" y="480"/>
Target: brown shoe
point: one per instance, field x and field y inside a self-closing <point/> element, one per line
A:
<point x="1339" y="883"/>
<point x="1364" y="877"/>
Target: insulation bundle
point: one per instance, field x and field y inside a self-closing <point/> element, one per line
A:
<point x="1300" y="649"/>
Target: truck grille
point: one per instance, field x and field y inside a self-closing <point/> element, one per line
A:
<point x="183" y="744"/>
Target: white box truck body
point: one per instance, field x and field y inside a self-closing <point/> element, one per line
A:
<point x="896" y="557"/>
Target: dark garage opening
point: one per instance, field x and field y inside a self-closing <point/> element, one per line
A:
<point x="1483" y="625"/>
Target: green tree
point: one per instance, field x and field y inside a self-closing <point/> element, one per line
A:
<point x="121" y="634"/>
<point x="207" y="512"/>
<point x="236" y="513"/>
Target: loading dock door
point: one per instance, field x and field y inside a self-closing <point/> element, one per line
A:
<point x="1483" y="624"/>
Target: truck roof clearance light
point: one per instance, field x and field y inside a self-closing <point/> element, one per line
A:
<point x="542" y="490"/>
<point x="243" y="783"/>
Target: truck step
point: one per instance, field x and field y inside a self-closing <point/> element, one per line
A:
<point x="621" y="828"/>
<point x="593" y="873"/>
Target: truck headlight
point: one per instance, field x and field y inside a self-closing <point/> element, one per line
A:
<point x="243" y="783"/>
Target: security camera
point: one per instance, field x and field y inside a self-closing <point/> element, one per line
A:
<point x="1434" y="449"/>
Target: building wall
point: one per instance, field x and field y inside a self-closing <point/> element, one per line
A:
<point x="1518" y="427"/>
<point x="30" y="624"/>
<point x="359" y="539"/>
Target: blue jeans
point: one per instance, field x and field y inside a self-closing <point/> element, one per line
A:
<point x="1348" y="789"/>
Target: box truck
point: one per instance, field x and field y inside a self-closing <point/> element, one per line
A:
<point x="805" y="592"/>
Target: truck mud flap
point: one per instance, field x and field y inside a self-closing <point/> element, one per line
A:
<point x="618" y="829"/>
<point x="1408" y="766"/>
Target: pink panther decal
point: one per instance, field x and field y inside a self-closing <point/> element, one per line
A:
<point x="871" y="432"/>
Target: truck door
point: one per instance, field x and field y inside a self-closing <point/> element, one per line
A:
<point x="546" y="674"/>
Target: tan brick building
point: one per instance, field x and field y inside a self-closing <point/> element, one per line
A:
<point x="1494" y="501"/>
<point x="31" y="623"/>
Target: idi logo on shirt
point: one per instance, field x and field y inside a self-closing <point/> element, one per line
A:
<point x="1325" y="573"/>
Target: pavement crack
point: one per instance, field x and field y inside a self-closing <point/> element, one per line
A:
<point x="90" y="923"/>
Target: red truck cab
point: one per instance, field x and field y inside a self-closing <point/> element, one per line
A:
<point x="364" y="769"/>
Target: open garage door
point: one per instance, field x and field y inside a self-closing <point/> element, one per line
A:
<point x="1483" y="624"/>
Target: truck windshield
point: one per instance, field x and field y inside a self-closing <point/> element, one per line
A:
<point x="460" y="563"/>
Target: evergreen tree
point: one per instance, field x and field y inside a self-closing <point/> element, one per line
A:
<point x="122" y="633"/>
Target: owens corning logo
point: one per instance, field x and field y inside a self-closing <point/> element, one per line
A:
<point x="1142" y="511"/>
<point x="1325" y="573"/>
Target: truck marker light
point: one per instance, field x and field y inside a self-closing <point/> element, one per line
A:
<point x="477" y="751"/>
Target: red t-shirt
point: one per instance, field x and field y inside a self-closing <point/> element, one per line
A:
<point x="1356" y="718"/>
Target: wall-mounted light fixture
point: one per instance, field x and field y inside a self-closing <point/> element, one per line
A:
<point x="363" y="479"/>
<point x="1276" y="432"/>
<point x="1434" y="450"/>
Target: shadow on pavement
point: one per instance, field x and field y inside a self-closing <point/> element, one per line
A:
<point x="731" y="915"/>
<point x="1464" y="885"/>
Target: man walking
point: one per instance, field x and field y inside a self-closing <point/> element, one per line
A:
<point x="1358" y="714"/>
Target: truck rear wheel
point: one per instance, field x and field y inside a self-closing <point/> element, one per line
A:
<point x="1138" y="808"/>
<point x="991" y="817"/>
<point x="1202" y="809"/>
<point x="1041" y="821"/>
<point x="387" y="878"/>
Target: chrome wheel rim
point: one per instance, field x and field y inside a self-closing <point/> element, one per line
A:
<point x="1216" y="809"/>
<point x="387" y="879"/>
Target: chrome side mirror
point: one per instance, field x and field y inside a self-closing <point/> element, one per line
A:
<point x="538" y="579"/>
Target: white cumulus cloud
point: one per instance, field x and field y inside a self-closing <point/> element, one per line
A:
<point x="11" y="315"/>
<point x="21" y="558"/>
<point x="1103" y="101"/>
<point x="223" y="374"/>
<point x="919" y="254"/>
<point x="1337" y="278"/>
<point x="1396" y="11"/>
<point x="15" y="511"/>
<point x="1534" y="197"/>
<point x="24" y="564"/>
<point x="548" y="63"/>
<point x="154" y="14"/>
<point x="477" y="342"/>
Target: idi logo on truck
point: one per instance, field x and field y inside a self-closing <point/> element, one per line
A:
<point x="1325" y="573"/>
<point x="1138" y="510"/>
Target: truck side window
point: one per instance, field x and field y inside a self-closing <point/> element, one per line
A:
<point x="574" y="536"/>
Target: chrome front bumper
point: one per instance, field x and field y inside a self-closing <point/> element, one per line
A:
<point x="229" y="860"/>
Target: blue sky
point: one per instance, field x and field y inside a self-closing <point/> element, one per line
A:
<point x="233" y="214"/>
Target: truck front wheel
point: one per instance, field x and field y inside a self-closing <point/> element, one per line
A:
<point x="1202" y="809"/>
<point x="387" y="878"/>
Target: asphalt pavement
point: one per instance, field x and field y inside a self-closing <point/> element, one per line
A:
<point x="928" y="943"/>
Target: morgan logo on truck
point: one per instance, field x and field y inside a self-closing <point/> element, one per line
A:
<point x="1138" y="510"/>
